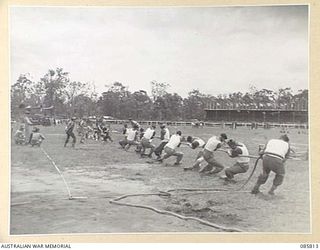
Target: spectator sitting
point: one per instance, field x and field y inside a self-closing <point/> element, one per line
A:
<point x="19" y="136"/>
<point x="36" y="137"/>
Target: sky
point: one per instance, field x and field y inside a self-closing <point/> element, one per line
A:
<point x="217" y="50"/>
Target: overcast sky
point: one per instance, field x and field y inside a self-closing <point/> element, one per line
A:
<point x="216" y="50"/>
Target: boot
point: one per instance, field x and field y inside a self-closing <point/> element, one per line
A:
<point x="204" y="169"/>
<point x="255" y="189"/>
<point x="215" y="171"/>
<point x="271" y="191"/>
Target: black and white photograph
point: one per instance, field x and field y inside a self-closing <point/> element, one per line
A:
<point x="159" y="119"/>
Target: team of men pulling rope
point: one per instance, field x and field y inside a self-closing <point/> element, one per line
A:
<point x="274" y="154"/>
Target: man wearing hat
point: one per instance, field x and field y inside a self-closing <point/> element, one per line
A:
<point x="274" y="156"/>
<point x="237" y="150"/>
<point x="213" y="166"/>
<point x="69" y="131"/>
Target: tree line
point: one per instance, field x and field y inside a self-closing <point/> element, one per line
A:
<point x="74" y="98"/>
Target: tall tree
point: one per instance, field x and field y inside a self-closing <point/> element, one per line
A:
<point x="54" y="83"/>
<point x="158" y="90"/>
<point x="71" y="91"/>
<point x="143" y="105"/>
<point x="264" y="98"/>
<point x="24" y="92"/>
<point x="113" y="101"/>
<point x="194" y="105"/>
<point x="82" y="106"/>
<point x="21" y="90"/>
<point x="236" y="99"/>
<point x="284" y="98"/>
<point x="173" y="104"/>
<point x="300" y="100"/>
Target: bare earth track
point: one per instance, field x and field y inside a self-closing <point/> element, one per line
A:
<point x="40" y="204"/>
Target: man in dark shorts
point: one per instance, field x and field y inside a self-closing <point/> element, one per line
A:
<point x="146" y="141"/>
<point x="213" y="166"/>
<point x="274" y="156"/>
<point x="36" y="137"/>
<point x="69" y="131"/>
<point x="164" y="137"/>
<point x="237" y="150"/>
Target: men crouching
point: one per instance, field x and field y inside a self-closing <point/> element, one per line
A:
<point x="213" y="166"/>
<point x="146" y="141"/>
<point x="194" y="143"/>
<point x="19" y="136"/>
<point x="170" y="148"/>
<point x="164" y="137"/>
<point x="238" y="150"/>
<point x="131" y="138"/>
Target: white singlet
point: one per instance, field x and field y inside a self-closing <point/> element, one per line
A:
<point x="174" y="141"/>
<point x="244" y="152"/>
<point x="148" y="134"/>
<point x="166" y="135"/>
<point x="201" y="142"/>
<point x="131" y="134"/>
<point x="277" y="147"/>
<point x="212" y="143"/>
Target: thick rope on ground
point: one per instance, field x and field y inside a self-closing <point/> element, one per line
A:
<point x="204" y="222"/>
<point x="254" y="167"/>
<point x="252" y="172"/>
<point x="167" y="193"/>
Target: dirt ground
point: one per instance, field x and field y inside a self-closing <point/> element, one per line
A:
<point x="101" y="172"/>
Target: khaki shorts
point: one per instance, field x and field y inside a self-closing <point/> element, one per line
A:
<point x="169" y="151"/>
<point x="273" y="164"/>
<point x="146" y="143"/>
<point x="238" y="168"/>
<point x="131" y="142"/>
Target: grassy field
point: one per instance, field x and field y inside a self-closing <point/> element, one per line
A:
<point x="100" y="172"/>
